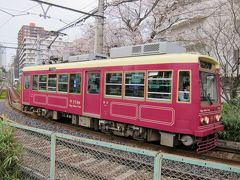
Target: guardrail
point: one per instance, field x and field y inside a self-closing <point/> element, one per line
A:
<point x="50" y="155"/>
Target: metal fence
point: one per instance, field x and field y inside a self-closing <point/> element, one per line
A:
<point x="50" y="155"/>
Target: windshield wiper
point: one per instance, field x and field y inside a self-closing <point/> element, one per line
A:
<point x="209" y="99"/>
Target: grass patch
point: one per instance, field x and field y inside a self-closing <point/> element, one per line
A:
<point x="3" y="95"/>
<point x="9" y="153"/>
<point x="231" y="122"/>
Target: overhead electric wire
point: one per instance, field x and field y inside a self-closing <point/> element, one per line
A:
<point x="30" y="8"/>
<point x="10" y="47"/>
<point x="3" y="24"/>
<point x="74" y="23"/>
<point x="31" y="13"/>
<point x="12" y="15"/>
<point x="64" y="7"/>
<point x="77" y="21"/>
<point x="80" y="19"/>
<point x="2" y="42"/>
<point x="71" y="24"/>
<point x="8" y="9"/>
<point x="6" y="12"/>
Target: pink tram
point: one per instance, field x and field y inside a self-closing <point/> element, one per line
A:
<point x="172" y="98"/>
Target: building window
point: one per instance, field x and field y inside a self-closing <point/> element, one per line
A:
<point x="93" y="83"/>
<point x="52" y="82"/>
<point x="134" y="84"/>
<point x="35" y="82"/>
<point x="184" y="93"/>
<point x="42" y="82"/>
<point x="75" y="82"/>
<point x="160" y="85"/>
<point x="114" y="84"/>
<point x="63" y="82"/>
<point x="27" y="82"/>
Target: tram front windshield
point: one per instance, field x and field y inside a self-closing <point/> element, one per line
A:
<point x="208" y="85"/>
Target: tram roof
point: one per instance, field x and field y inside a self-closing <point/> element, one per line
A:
<point x="139" y="60"/>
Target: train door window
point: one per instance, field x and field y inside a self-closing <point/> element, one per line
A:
<point x="93" y="83"/>
<point x="26" y="82"/>
<point x="63" y="82"/>
<point x="184" y="86"/>
<point x="75" y="82"/>
<point x="35" y="82"/>
<point x="52" y="82"/>
<point x="113" y="84"/>
<point x="42" y="82"/>
<point x="160" y="85"/>
<point x="134" y="84"/>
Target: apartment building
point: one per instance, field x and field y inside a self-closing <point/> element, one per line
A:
<point x="33" y="46"/>
<point x="3" y="57"/>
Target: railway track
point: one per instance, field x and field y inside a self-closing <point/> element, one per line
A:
<point x="229" y="156"/>
<point x="14" y="98"/>
<point x="228" y="150"/>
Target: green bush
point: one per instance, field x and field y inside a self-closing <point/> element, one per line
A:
<point x="235" y="101"/>
<point x="3" y="94"/>
<point x="231" y="122"/>
<point x="9" y="153"/>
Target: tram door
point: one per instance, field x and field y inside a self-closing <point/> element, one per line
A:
<point x="92" y="93"/>
<point x="26" y="90"/>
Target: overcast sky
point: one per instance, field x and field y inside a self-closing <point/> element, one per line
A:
<point x="23" y="12"/>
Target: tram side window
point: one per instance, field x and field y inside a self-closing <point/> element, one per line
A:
<point x="63" y="82"/>
<point x="93" y="83"/>
<point x="134" y="84"/>
<point x="52" y="82"/>
<point x="42" y="82"/>
<point x="114" y="84"/>
<point x="184" y="91"/>
<point x="35" y="82"/>
<point x="75" y="81"/>
<point x="160" y="85"/>
<point x="27" y="82"/>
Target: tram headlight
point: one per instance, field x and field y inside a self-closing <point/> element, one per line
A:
<point x="218" y="117"/>
<point x="204" y="120"/>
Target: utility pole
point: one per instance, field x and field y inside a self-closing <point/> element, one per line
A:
<point x="98" y="45"/>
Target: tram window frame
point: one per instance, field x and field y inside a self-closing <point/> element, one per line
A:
<point x="35" y="88"/>
<point x="62" y="83"/>
<point x="77" y="84"/>
<point x="109" y="84"/>
<point x="27" y="82"/>
<point x="52" y="80"/>
<point x="42" y="82"/>
<point x="98" y="85"/>
<point x="163" y="78"/>
<point x="135" y="85"/>
<point x="182" y="90"/>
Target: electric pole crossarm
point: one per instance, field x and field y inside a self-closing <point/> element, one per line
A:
<point x="63" y="7"/>
<point x="45" y="11"/>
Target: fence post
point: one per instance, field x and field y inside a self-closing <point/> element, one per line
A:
<point x="52" y="158"/>
<point x="157" y="166"/>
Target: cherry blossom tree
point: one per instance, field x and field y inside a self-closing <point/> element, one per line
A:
<point x="129" y="22"/>
<point x="222" y="39"/>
